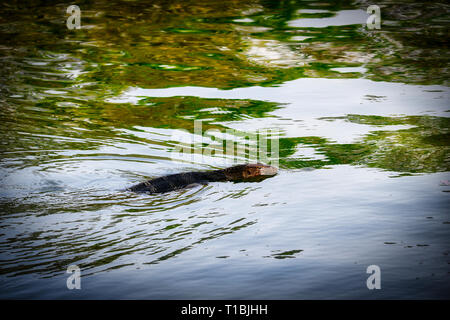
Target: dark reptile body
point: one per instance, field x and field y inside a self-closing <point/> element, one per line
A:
<point x="177" y="181"/>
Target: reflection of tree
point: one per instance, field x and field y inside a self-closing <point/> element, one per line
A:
<point x="176" y="43"/>
<point x="193" y="43"/>
<point x="424" y="148"/>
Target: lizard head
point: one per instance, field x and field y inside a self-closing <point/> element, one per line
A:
<point x="250" y="172"/>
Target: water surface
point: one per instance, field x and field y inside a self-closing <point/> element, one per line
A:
<point x="361" y="116"/>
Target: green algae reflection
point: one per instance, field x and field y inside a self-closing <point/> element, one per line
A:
<point x="57" y="81"/>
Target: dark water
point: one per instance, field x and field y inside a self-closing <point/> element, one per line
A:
<point x="361" y="117"/>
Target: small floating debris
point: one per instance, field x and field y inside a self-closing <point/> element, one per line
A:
<point x="284" y="255"/>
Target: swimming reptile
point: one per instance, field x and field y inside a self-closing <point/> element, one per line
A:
<point x="243" y="172"/>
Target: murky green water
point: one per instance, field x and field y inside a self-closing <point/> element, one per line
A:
<point x="362" y="118"/>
